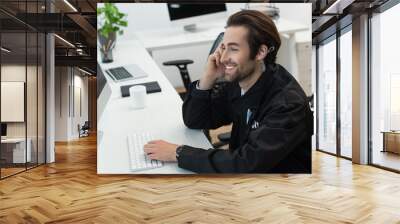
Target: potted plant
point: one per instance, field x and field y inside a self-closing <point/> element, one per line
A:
<point x="112" y="22"/>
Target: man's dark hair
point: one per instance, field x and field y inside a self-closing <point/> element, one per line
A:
<point x="261" y="30"/>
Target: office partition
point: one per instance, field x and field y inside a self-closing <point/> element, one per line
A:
<point x="22" y="77"/>
<point x="14" y="147"/>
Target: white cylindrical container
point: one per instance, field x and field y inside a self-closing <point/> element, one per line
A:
<point x="138" y="96"/>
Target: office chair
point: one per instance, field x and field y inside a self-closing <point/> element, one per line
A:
<point x="182" y="66"/>
<point x="84" y="130"/>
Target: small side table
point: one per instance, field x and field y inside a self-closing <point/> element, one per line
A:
<point x="391" y="141"/>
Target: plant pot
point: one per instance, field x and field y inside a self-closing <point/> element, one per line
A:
<point x="106" y="46"/>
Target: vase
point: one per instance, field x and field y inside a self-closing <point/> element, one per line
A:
<point x="106" y="46"/>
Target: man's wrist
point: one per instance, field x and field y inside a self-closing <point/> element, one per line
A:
<point x="178" y="151"/>
<point x="202" y="86"/>
<point x="206" y="83"/>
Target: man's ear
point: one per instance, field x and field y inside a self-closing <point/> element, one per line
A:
<point x="262" y="52"/>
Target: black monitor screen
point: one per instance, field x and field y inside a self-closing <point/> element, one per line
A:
<point x="101" y="80"/>
<point x="3" y="129"/>
<point x="181" y="11"/>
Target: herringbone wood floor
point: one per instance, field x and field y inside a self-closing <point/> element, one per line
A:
<point x="70" y="191"/>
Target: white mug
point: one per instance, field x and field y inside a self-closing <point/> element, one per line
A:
<point x="138" y="96"/>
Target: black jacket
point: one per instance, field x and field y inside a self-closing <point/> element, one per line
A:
<point x="275" y="138"/>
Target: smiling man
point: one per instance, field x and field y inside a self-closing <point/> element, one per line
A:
<point x="272" y="121"/>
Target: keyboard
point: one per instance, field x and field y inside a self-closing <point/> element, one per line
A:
<point x="120" y="73"/>
<point x="138" y="159"/>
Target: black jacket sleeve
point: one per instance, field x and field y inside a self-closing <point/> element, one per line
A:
<point x="282" y="130"/>
<point x="204" y="110"/>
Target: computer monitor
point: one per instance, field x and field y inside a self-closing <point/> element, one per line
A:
<point x="3" y="129"/>
<point x="188" y="15"/>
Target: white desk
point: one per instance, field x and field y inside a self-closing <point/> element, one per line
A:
<point x="19" y="149"/>
<point x="174" y="43"/>
<point x="173" y="37"/>
<point x="162" y="116"/>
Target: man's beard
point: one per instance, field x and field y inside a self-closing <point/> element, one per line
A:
<point x="244" y="73"/>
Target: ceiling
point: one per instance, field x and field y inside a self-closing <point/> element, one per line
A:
<point x="72" y="20"/>
<point x="332" y="15"/>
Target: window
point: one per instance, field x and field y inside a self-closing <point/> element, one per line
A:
<point x="385" y="89"/>
<point x="327" y="96"/>
<point x="346" y="93"/>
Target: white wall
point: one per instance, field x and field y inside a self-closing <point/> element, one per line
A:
<point x="33" y="126"/>
<point x="300" y="13"/>
<point x="68" y="83"/>
<point x="80" y="83"/>
<point x="139" y="16"/>
<point x="15" y="72"/>
<point x="61" y="103"/>
<point x="13" y="100"/>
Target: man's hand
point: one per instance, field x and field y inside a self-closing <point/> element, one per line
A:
<point x="214" y="70"/>
<point x="161" y="150"/>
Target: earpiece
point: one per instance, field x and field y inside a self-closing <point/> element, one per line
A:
<point x="271" y="49"/>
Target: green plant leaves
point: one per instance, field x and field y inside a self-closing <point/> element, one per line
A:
<point x="113" y="19"/>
